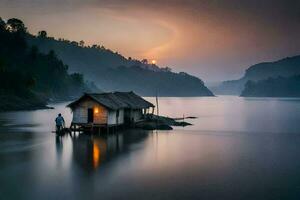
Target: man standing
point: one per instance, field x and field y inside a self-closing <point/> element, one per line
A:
<point x="60" y="122"/>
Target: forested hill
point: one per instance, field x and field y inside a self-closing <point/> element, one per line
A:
<point x="112" y="71"/>
<point x="273" y="87"/>
<point x="29" y="79"/>
<point x="286" y="67"/>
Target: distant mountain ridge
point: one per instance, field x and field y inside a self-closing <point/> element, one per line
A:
<point x="286" y="67"/>
<point x="111" y="71"/>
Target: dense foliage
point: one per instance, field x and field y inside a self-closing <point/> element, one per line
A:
<point x="273" y="87"/>
<point x="28" y="76"/>
<point x="112" y="71"/>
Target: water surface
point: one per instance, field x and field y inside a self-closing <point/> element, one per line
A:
<point x="238" y="148"/>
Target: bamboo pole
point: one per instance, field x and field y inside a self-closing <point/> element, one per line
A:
<point x="157" y="109"/>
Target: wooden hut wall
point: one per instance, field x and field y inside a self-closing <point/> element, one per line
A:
<point x="136" y="114"/>
<point x="112" y="117"/>
<point x="80" y="113"/>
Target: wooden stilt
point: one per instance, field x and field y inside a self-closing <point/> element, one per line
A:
<point x="118" y="148"/>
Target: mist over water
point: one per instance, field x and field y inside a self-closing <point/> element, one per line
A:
<point x="235" y="114"/>
<point x="238" y="148"/>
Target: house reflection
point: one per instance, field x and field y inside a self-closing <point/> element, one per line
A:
<point x="90" y="152"/>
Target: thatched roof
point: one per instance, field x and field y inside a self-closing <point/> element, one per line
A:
<point x="132" y="100"/>
<point x="116" y="100"/>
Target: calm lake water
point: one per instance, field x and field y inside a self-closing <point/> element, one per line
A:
<point x="238" y="148"/>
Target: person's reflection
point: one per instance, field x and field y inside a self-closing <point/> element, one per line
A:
<point x="59" y="146"/>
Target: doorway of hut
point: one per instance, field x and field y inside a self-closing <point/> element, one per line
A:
<point x="127" y="119"/>
<point x="90" y="115"/>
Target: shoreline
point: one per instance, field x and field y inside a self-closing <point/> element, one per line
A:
<point x="13" y="103"/>
<point x="30" y="108"/>
<point x="9" y="103"/>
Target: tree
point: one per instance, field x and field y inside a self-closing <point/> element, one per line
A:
<point x="2" y="65"/>
<point x="52" y="54"/>
<point x="74" y="43"/>
<point x="77" y="79"/>
<point x="145" y="61"/>
<point x="34" y="52"/>
<point x="16" y="25"/>
<point x="42" y="34"/>
<point x="2" y="24"/>
<point x="81" y="43"/>
<point x="30" y="82"/>
<point x="167" y="69"/>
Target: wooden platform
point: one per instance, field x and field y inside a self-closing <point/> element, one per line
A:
<point x="93" y="128"/>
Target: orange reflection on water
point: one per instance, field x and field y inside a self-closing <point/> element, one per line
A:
<point x="96" y="155"/>
<point x="99" y="151"/>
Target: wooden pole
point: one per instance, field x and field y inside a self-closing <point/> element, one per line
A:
<point x="157" y="109"/>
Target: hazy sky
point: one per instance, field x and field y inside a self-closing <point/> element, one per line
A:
<point x="213" y="39"/>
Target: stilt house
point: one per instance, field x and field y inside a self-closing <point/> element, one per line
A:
<point x="109" y="109"/>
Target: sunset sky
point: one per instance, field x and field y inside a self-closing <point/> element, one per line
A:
<point x="213" y="39"/>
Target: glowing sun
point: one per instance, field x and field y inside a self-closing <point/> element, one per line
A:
<point x="153" y="62"/>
